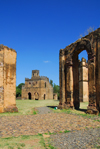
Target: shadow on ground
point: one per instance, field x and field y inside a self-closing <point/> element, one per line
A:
<point x="83" y="110"/>
<point x="51" y="107"/>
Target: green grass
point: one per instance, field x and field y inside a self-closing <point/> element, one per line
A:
<point x="66" y="131"/>
<point x="22" y="142"/>
<point x="25" y="107"/>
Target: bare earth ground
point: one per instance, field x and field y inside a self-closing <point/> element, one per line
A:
<point x="27" y="131"/>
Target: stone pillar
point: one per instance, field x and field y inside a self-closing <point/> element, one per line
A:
<point x="8" y="80"/>
<point x="69" y="85"/>
<point x="76" y="81"/>
<point x="98" y="73"/>
<point x="92" y="109"/>
<point x="62" y="79"/>
<point x="83" y="81"/>
<point x="1" y="80"/>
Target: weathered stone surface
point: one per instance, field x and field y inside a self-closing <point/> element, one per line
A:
<point x="55" y="96"/>
<point x="69" y="73"/>
<point x="7" y="79"/>
<point x="83" y="81"/>
<point x="37" y="88"/>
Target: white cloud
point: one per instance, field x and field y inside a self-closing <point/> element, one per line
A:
<point x="46" y="61"/>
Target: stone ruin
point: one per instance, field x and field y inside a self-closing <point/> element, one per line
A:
<point x="7" y="79"/>
<point x="37" y="88"/>
<point x="69" y="73"/>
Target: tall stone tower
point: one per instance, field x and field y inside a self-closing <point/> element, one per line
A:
<point x="7" y="79"/>
<point x="83" y="81"/>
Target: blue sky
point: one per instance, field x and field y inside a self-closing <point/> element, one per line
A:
<point x="38" y="29"/>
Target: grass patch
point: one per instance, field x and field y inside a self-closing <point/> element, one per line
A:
<point x="25" y="107"/>
<point x="51" y="147"/>
<point x="24" y="142"/>
<point x="39" y="134"/>
<point x="66" y="131"/>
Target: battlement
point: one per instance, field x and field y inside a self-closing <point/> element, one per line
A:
<point x="2" y="47"/>
<point x="83" y="63"/>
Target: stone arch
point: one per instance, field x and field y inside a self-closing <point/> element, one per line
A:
<point x="68" y="72"/>
<point x="36" y="96"/>
<point x="83" y="45"/>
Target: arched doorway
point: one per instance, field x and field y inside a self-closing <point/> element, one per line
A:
<point x="36" y="96"/>
<point x="29" y="95"/>
<point x="83" y="80"/>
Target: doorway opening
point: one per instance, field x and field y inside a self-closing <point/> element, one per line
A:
<point x="80" y="80"/>
<point x="36" y="96"/>
<point x="44" y="96"/>
<point x="29" y="95"/>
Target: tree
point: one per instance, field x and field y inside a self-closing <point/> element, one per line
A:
<point x="20" y="85"/>
<point x="18" y="92"/>
<point x="18" y="89"/>
<point x="51" y="82"/>
<point x="56" y="89"/>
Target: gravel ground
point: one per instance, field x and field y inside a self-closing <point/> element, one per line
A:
<point x="81" y="139"/>
<point x="84" y="132"/>
<point x="44" y="110"/>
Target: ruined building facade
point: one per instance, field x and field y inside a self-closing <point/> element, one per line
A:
<point x="69" y="77"/>
<point x="7" y="79"/>
<point x="83" y="81"/>
<point x="37" y="88"/>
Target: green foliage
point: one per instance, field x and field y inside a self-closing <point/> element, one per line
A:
<point x="66" y="131"/>
<point x="34" y="112"/>
<point x="51" y="82"/>
<point x="51" y="147"/>
<point x="22" y="144"/>
<point x="39" y="134"/>
<point x="18" y="90"/>
<point x="56" y="88"/>
<point x="20" y="85"/>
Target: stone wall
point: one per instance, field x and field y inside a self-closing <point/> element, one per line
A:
<point x="55" y="96"/>
<point x="7" y="79"/>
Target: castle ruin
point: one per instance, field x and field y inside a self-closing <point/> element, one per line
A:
<point x="37" y="88"/>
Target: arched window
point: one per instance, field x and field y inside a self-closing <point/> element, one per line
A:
<point x="45" y="84"/>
